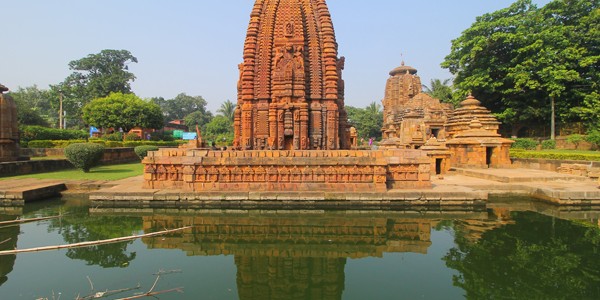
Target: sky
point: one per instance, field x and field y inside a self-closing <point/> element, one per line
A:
<point x="194" y="46"/>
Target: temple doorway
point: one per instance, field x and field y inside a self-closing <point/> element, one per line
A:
<point x="489" y="152"/>
<point x="288" y="143"/>
<point x="438" y="166"/>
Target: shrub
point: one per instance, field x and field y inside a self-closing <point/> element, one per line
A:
<point x="524" y="143"/>
<point x="84" y="156"/>
<point x="142" y="151"/>
<point x="115" y="137"/>
<point x="30" y="133"/>
<point x="132" y="137"/>
<point x="575" y="139"/>
<point x="113" y="144"/>
<point x="593" y="136"/>
<point x="40" y="144"/>
<point x="549" y="144"/>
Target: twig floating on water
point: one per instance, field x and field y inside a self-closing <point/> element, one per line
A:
<point x="92" y="243"/>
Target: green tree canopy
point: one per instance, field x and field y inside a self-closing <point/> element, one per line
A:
<point x="441" y="90"/>
<point x="199" y="118"/>
<point x="181" y="106"/>
<point x="227" y="110"/>
<point x="95" y="76"/>
<point x="35" y="106"/>
<point x="124" y="111"/>
<point x="517" y="59"/>
<point x="367" y="121"/>
<point x="219" y="130"/>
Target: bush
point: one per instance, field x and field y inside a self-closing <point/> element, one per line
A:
<point x="153" y="143"/>
<point x="575" y="139"/>
<point x="84" y="156"/>
<point x="40" y="144"/>
<point x="555" y="155"/>
<point x="593" y="136"/>
<point x="524" y="143"/>
<point x="132" y="137"/>
<point x="115" y="137"/>
<point x="30" y="133"/>
<point x="142" y="151"/>
<point x="549" y="144"/>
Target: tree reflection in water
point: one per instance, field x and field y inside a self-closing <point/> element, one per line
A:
<point x="8" y="241"/>
<point x="78" y="226"/>
<point x="532" y="257"/>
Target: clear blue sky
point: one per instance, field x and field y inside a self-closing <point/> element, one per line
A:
<point x="194" y="46"/>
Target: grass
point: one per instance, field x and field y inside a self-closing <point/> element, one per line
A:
<point x="109" y="172"/>
<point x="556" y="154"/>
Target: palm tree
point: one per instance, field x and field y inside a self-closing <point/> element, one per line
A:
<point x="374" y="108"/>
<point x="440" y="90"/>
<point x="227" y="110"/>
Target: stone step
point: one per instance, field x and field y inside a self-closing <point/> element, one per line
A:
<point x="20" y="191"/>
<point x="518" y="175"/>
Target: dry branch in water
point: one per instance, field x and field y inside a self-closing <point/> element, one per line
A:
<point x="92" y="243"/>
<point x="21" y="221"/>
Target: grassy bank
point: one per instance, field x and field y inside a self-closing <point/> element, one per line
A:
<point x="110" y="172"/>
<point x="556" y="154"/>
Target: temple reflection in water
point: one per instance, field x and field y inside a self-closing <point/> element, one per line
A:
<point x="303" y="256"/>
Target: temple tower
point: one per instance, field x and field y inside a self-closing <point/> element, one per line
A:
<point x="9" y="131"/>
<point x="290" y="90"/>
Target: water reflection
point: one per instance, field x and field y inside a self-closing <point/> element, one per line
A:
<point x="8" y="241"/>
<point x="532" y="257"/>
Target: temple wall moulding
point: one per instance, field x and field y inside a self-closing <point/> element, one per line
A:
<point x="9" y="131"/>
<point x="342" y="170"/>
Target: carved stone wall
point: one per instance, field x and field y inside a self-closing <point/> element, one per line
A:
<point x="290" y="88"/>
<point x="341" y="170"/>
<point x="9" y="131"/>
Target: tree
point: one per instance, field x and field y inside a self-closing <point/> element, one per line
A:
<point x="522" y="61"/>
<point x="220" y="128"/>
<point x="124" y="111"/>
<point x="198" y="118"/>
<point x="96" y="76"/>
<point x="227" y="110"/>
<point x="181" y="106"/>
<point x="367" y="121"/>
<point x="35" y="106"/>
<point x="441" y="90"/>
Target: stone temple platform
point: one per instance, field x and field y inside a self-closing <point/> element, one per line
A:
<point x="461" y="188"/>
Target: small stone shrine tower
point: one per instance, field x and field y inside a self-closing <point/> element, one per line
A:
<point x="474" y="139"/>
<point x="290" y="90"/>
<point x="9" y="131"/>
<point x="410" y="117"/>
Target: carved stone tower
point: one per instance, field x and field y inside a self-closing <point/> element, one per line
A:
<point x="9" y="131"/>
<point x="290" y="90"/>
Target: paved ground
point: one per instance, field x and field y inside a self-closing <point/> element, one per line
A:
<point x="461" y="186"/>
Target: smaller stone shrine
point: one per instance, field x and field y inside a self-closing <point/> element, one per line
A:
<point x="9" y="130"/>
<point x="474" y="139"/>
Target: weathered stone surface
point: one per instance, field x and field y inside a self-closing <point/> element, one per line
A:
<point x="290" y="89"/>
<point x="9" y="131"/>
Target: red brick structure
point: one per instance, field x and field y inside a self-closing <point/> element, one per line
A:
<point x="290" y="90"/>
<point x="9" y="130"/>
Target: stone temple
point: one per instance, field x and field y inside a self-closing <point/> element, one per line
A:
<point x="9" y="131"/>
<point x="291" y="129"/>
<point x="290" y="90"/>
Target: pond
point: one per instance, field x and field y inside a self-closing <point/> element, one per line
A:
<point x="514" y="249"/>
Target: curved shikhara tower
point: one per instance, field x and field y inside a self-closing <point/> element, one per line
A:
<point x="290" y="91"/>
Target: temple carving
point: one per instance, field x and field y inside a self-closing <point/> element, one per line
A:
<point x="290" y="90"/>
<point x="9" y="130"/>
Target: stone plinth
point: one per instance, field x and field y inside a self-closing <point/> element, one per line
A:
<point x="9" y="131"/>
<point x="289" y="171"/>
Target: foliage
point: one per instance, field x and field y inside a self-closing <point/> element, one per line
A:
<point x="575" y="139"/>
<point x="115" y="136"/>
<point x="197" y="118"/>
<point x="524" y="143"/>
<point x="40" y="144"/>
<point x="166" y="135"/>
<point x="142" y="151"/>
<point x="549" y="144"/>
<point x="557" y="154"/>
<point x="441" y="90"/>
<point x="105" y="172"/>
<point x="531" y="257"/>
<point x="125" y="111"/>
<point x="35" y="106"/>
<point x="516" y="60"/>
<point x="29" y="133"/>
<point x="153" y="143"/>
<point x="227" y="110"/>
<point x="181" y="106"/>
<point x="132" y="137"/>
<point x="593" y="136"/>
<point x="219" y="130"/>
<point x="84" y="156"/>
<point x="367" y="121"/>
<point x="95" y="76"/>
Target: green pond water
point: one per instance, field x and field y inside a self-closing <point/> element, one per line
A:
<point x="510" y="250"/>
